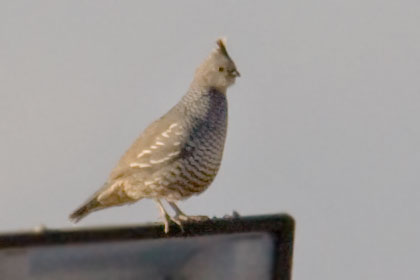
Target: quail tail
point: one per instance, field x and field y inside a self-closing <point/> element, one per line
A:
<point x="84" y="210"/>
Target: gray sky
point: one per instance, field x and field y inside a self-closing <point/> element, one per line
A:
<point x="324" y="122"/>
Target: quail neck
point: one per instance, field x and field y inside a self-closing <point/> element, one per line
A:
<point x="197" y="103"/>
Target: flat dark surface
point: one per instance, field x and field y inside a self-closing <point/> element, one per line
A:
<point x="280" y="227"/>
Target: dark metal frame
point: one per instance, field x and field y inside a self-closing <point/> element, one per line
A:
<point x="281" y="227"/>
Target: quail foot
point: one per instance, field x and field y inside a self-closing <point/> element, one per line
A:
<point x="178" y="155"/>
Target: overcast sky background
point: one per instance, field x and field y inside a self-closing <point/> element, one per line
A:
<point x="324" y="122"/>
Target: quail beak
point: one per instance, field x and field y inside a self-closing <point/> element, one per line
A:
<point x="235" y="73"/>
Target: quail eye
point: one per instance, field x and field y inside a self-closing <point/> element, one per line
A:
<point x="221" y="69"/>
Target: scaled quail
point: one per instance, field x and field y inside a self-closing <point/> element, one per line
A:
<point x="178" y="155"/>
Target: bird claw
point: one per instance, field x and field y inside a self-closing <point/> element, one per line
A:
<point x="186" y="218"/>
<point x="179" y="218"/>
<point x="178" y="222"/>
<point x="166" y="221"/>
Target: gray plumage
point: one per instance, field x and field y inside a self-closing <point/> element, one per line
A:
<point x="178" y="155"/>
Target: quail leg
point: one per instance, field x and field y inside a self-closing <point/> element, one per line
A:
<point x="182" y="217"/>
<point x="166" y="218"/>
